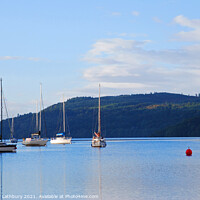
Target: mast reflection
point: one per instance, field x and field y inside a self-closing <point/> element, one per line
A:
<point x="100" y="178"/>
<point x="1" y="160"/>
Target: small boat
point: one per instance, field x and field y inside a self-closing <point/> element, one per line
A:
<point x="60" y="137"/>
<point x="98" y="140"/>
<point x="36" y="139"/>
<point x="13" y="140"/>
<point x="5" y="147"/>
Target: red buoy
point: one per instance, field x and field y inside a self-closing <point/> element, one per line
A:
<point x="188" y="152"/>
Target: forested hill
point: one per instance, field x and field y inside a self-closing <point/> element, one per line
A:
<point x="142" y="115"/>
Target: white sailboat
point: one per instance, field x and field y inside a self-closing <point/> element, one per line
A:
<point x="98" y="140"/>
<point x="60" y="137"/>
<point x="36" y="139"/>
<point x="5" y="147"/>
<point x="12" y="139"/>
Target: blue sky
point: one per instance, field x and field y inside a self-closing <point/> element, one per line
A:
<point x="70" y="46"/>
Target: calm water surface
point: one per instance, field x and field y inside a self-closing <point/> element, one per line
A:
<point x="124" y="170"/>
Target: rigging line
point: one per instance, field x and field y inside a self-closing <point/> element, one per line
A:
<point x="45" y="125"/>
<point x="104" y="122"/>
<point x="12" y="127"/>
<point x="6" y="111"/>
<point x="32" y="129"/>
<point x="59" y="123"/>
<point x="67" y="122"/>
<point x="96" y="118"/>
<point x="93" y="121"/>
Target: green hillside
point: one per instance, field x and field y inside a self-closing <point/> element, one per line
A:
<point x="142" y="115"/>
<point x="186" y="128"/>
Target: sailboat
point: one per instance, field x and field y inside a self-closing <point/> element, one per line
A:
<point x="12" y="139"/>
<point x="60" y="137"/>
<point x="98" y="140"/>
<point x="5" y="147"/>
<point x="36" y="139"/>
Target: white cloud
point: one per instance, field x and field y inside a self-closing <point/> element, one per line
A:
<point x="183" y="21"/>
<point x="135" y="13"/>
<point x="191" y="35"/>
<point x="123" y="34"/>
<point x="19" y="58"/>
<point x="10" y="58"/>
<point x="34" y="59"/>
<point x="119" y="63"/>
<point x="116" y="13"/>
<point x="157" y="20"/>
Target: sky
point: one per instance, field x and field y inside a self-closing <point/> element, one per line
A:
<point x="70" y="46"/>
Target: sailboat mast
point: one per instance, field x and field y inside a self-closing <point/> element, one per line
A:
<point x="99" y="114"/>
<point x="1" y="111"/>
<point x="36" y="116"/>
<point x="63" y="114"/>
<point x="40" y="107"/>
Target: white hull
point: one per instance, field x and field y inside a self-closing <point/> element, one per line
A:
<point x="98" y="142"/>
<point x="4" y="147"/>
<point x="35" y="142"/>
<point x="62" y="140"/>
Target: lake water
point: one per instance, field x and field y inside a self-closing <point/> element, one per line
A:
<point x="124" y="170"/>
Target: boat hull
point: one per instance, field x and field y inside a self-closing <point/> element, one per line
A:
<point x="4" y="147"/>
<point x="98" y="142"/>
<point x="39" y="142"/>
<point x="61" y="141"/>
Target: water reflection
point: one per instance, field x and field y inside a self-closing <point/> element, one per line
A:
<point x="1" y="160"/>
<point x="64" y="176"/>
<point x="40" y="171"/>
<point x="100" y="178"/>
<point x="132" y="170"/>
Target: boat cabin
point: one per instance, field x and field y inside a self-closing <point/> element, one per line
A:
<point x="58" y="135"/>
